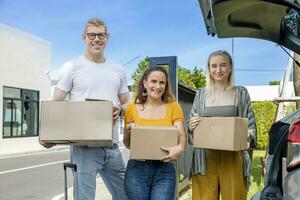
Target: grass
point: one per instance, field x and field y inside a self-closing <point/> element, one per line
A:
<point x="257" y="179"/>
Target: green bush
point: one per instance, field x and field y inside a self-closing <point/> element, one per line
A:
<point x="264" y="115"/>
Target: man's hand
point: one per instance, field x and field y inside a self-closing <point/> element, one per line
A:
<point x="116" y="112"/>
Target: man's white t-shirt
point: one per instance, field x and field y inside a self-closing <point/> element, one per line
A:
<point x="83" y="79"/>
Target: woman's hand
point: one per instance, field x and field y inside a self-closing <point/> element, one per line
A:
<point x="194" y="121"/>
<point x="127" y="133"/>
<point x="248" y="140"/>
<point x="173" y="153"/>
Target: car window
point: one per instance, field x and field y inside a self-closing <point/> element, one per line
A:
<point x="292" y="20"/>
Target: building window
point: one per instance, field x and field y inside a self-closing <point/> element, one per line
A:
<point x="20" y="112"/>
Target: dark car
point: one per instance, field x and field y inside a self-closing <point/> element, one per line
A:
<point x="277" y="21"/>
<point x="282" y="179"/>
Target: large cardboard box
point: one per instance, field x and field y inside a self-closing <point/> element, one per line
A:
<point x="79" y="123"/>
<point x="146" y="141"/>
<point x="222" y="133"/>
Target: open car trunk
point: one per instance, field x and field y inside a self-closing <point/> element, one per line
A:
<point x="276" y="21"/>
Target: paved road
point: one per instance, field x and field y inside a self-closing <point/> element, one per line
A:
<point x="37" y="176"/>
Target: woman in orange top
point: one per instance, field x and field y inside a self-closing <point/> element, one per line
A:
<point x="154" y="105"/>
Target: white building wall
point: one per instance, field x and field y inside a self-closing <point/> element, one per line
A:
<point x="263" y="92"/>
<point x="24" y="60"/>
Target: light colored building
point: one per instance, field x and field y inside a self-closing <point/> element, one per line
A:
<point x="263" y="92"/>
<point x="270" y="92"/>
<point x="24" y="59"/>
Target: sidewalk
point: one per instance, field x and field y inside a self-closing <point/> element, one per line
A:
<point x="101" y="191"/>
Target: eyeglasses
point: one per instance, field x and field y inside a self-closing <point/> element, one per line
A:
<point x="92" y="36"/>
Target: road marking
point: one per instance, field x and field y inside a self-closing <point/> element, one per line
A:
<point x="70" y="194"/>
<point x="30" y="154"/>
<point x="32" y="167"/>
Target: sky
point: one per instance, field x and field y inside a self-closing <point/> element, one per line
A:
<point x="141" y="28"/>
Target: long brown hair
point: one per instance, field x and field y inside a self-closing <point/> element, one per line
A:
<point x="167" y="96"/>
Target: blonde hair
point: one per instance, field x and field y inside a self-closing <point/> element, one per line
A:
<point x="94" y="22"/>
<point x="210" y="83"/>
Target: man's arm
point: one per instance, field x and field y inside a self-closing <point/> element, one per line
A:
<point x="124" y="98"/>
<point x="59" y="95"/>
<point x="118" y="109"/>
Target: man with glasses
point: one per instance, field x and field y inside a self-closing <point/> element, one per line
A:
<point x="92" y="76"/>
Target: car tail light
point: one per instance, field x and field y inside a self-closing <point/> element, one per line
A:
<point x="293" y="151"/>
<point x="294" y="133"/>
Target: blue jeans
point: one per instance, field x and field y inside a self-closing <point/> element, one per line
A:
<point x="108" y="162"/>
<point x="150" y="180"/>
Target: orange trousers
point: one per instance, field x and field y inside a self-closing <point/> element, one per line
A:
<point x="224" y="177"/>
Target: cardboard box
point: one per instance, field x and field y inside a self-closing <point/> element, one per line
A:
<point x="79" y="123"/>
<point x="222" y="133"/>
<point x="146" y="141"/>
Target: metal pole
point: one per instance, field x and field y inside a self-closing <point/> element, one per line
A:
<point x="66" y="184"/>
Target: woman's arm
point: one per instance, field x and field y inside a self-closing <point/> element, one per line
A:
<point x="127" y="133"/>
<point x="174" y="152"/>
<point x="246" y="110"/>
<point x="129" y="123"/>
<point x="252" y="130"/>
<point x="181" y="135"/>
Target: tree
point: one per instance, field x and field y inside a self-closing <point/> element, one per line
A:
<point x="198" y="77"/>
<point x="193" y="78"/>
<point x="274" y="82"/>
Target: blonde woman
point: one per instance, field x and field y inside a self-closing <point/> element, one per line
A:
<point x="218" y="173"/>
